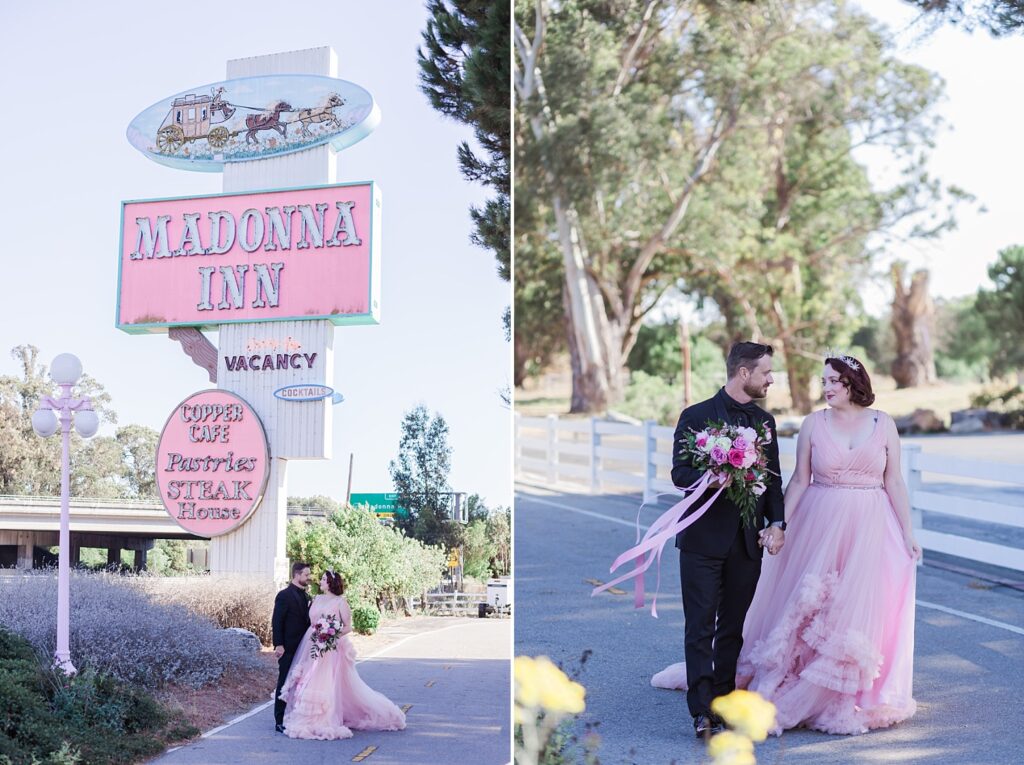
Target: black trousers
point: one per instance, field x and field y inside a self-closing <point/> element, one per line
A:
<point x="283" y="665"/>
<point x="716" y="595"/>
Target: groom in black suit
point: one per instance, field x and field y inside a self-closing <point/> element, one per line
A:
<point x="290" y="622"/>
<point x="719" y="558"/>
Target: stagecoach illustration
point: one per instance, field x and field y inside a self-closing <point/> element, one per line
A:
<point x="193" y="118"/>
<point x="251" y="118"/>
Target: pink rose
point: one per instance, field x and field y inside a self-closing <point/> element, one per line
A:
<point x="749" y="458"/>
<point x="719" y="455"/>
<point x="702" y="439"/>
<point x="741" y="443"/>
<point x="736" y="458"/>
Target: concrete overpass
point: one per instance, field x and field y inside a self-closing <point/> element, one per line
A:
<point x="29" y="525"/>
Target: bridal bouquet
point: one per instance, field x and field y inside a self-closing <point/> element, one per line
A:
<point x="735" y="456"/>
<point x="326" y="632"/>
<point x="731" y="455"/>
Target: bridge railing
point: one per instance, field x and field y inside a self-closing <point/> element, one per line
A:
<point x="600" y="456"/>
<point x="25" y="499"/>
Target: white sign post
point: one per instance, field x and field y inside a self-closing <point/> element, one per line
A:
<point x="295" y="430"/>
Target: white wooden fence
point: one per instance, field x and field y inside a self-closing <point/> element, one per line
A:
<point x="602" y="456"/>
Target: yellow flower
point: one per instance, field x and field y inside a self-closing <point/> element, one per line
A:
<point x="730" y="748"/>
<point x="746" y="712"/>
<point x="539" y="683"/>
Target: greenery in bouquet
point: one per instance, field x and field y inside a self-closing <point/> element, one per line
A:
<point x="735" y="455"/>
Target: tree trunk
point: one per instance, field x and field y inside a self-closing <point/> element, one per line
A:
<point x="519" y="364"/>
<point x="913" y="324"/>
<point x="798" y="372"/>
<point x="593" y="348"/>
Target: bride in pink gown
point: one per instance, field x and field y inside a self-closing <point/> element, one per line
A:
<point x="326" y="697"/>
<point x="829" y="637"/>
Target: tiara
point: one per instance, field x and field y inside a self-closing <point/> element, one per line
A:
<point x="850" y="361"/>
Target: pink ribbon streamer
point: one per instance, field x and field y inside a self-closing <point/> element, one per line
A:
<point x="648" y="550"/>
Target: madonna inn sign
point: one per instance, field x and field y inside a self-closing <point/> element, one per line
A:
<point x="308" y="253"/>
<point x="252" y="283"/>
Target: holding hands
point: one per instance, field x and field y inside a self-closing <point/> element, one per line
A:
<point x="772" y="539"/>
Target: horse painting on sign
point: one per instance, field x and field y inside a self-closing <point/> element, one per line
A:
<point x="323" y="113"/>
<point x="202" y="132"/>
<point x="272" y="121"/>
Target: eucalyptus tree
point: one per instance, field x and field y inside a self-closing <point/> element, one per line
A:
<point x="713" y="147"/>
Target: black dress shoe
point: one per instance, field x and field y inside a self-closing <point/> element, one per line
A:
<point x="279" y="728"/>
<point x="707" y="725"/>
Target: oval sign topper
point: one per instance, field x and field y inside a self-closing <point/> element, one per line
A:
<point x="212" y="463"/>
<point x="253" y="118"/>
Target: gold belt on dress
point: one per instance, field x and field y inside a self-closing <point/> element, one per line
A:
<point x="846" y="486"/>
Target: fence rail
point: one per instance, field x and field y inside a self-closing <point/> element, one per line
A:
<point x="600" y="456"/>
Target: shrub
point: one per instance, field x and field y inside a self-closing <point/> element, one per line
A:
<point x="225" y="601"/>
<point x="1009" y="402"/>
<point x="365" y="619"/>
<point x="379" y="563"/>
<point x="117" y="630"/>
<point x="49" y="719"/>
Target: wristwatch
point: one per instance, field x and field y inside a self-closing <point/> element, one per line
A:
<point x="781" y="525"/>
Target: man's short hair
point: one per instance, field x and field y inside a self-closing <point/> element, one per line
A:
<point x="297" y="566"/>
<point x="745" y="355"/>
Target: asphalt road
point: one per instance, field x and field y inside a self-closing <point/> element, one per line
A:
<point x="455" y="682"/>
<point x="969" y="650"/>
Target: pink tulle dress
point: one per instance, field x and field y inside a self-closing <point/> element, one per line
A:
<point x="829" y="637"/>
<point x="326" y="698"/>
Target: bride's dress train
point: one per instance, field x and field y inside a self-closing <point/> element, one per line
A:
<point x="326" y="697"/>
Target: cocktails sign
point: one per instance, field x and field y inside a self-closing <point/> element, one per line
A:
<point x="212" y="463"/>
<point x="311" y="253"/>
<point x="253" y="118"/>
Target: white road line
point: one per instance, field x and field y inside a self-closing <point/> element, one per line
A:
<point x="382" y="651"/>
<point x="972" y="617"/>
<point x="921" y="603"/>
<point x="609" y="518"/>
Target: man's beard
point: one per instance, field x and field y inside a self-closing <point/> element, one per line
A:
<point x="754" y="392"/>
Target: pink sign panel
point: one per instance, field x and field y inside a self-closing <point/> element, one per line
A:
<point x="212" y="463"/>
<point x="310" y="253"/>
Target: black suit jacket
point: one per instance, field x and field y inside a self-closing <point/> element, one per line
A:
<point x="714" y="533"/>
<point x="291" y="617"/>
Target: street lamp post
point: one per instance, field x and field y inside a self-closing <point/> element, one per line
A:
<point x="65" y="371"/>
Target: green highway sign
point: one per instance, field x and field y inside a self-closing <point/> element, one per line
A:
<point x="385" y="505"/>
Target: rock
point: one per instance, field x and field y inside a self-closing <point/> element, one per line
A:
<point x="920" y="421"/>
<point x="246" y="638"/>
<point x="788" y="426"/>
<point x="976" y="420"/>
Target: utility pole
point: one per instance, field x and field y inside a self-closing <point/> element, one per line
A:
<point x="684" y="342"/>
<point x="348" y="491"/>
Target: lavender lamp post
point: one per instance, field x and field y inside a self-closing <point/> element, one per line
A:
<point x="65" y="371"/>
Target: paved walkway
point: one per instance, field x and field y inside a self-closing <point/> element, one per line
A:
<point x="969" y="657"/>
<point x="454" y="681"/>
